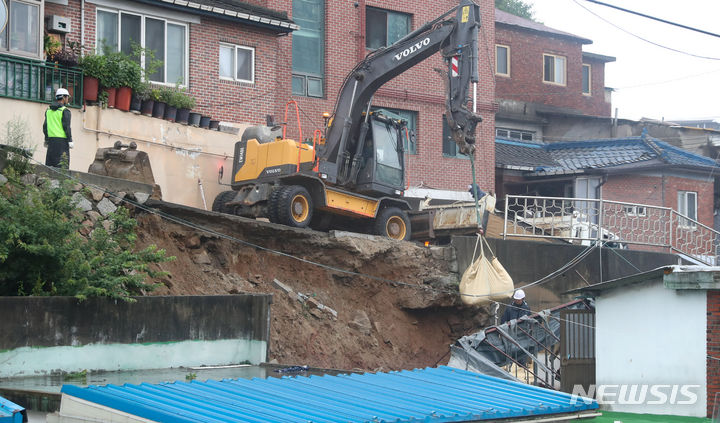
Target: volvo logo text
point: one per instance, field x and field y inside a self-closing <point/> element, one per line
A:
<point x="413" y="48"/>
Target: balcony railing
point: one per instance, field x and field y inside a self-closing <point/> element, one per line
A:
<point x="36" y="81"/>
<point x="612" y="223"/>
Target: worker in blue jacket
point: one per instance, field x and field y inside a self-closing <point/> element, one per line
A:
<point x="517" y="309"/>
<point x="58" y="136"/>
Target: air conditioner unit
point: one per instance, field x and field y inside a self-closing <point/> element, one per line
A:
<point x="58" y="24"/>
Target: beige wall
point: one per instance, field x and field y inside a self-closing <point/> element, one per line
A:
<point x="180" y="155"/>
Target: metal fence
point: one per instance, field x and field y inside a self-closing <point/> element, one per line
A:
<point x="614" y="224"/>
<point x="37" y="81"/>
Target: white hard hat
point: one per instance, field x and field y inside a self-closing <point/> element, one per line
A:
<point x="519" y="294"/>
<point x="61" y="92"/>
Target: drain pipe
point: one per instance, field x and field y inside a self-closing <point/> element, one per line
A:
<point x="202" y="193"/>
<point x="82" y="26"/>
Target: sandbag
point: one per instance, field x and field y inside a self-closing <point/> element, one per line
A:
<point x="486" y="279"/>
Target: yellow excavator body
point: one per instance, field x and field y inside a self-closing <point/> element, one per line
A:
<point x="275" y="157"/>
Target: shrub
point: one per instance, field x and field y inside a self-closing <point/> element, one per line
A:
<point x="93" y="65"/>
<point x="43" y="253"/>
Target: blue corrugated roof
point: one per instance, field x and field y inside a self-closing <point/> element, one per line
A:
<point x="10" y="412"/>
<point x="573" y="156"/>
<point x="441" y="394"/>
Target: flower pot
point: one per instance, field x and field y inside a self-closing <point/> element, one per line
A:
<point x="135" y="103"/>
<point x="111" y="93"/>
<point x="90" y="88"/>
<point x="194" y="119"/>
<point x="205" y="122"/>
<point x="214" y="124"/>
<point x="147" y="107"/>
<point x="170" y="112"/>
<point x="122" y="99"/>
<point x="158" y="110"/>
<point x="182" y="116"/>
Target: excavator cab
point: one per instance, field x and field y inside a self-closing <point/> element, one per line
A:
<point x="383" y="160"/>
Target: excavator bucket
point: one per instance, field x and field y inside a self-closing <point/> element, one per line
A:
<point x="123" y="162"/>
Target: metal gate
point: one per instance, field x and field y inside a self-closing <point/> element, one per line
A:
<point x="577" y="349"/>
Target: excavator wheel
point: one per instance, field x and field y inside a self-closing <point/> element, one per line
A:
<point x="295" y="206"/>
<point x="221" y="199"/>
<point x="273" y="204"/>
<point x="392" y="223"/>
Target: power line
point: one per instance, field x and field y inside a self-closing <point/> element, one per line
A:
<point x="702" y="31"/>
<point x="641" y="38"/>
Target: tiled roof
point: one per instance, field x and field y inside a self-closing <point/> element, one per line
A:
<point x="441" y="394"/>
<point x="578" y="156"/>
<point x="235" y="10"/>
<point x="510" y="19"/>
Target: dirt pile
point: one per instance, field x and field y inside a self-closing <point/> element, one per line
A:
<point x="396" y="302"/>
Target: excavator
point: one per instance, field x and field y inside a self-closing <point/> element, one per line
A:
<point x="354" y="174"/>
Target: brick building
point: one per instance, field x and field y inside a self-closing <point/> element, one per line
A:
<point x="541" y="74"/>
<point x="245" y="60"/>
<point x="645" y="176"/>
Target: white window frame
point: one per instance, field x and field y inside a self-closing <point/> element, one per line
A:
<point x="235" y="48"/>
<point x="143" y="16"/>
<point x="507" y="61"/>
<point x="682" y="209"/>
<point x="522" y="134"/>
<point x="555" y="58"/>
<point x="41" y="27"/>
<point x="589" y="73"/>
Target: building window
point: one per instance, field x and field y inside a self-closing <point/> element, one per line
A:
<point x="23" y="31"/>
<point x="514" y="134"/>
<point x="122" y="31"/>
<point x="308" y="48"/>
<point x="411" y="117"/>
<point x="237" y="63"/>
<point x="586" y="79"/>
<point x="449" y="148"/>
<point x="384" y="27"/>
<point x="687" y="206"/>
<point x="635" y="211"/>
<point x="502" y="60"/>
<point x="554" y="69"/>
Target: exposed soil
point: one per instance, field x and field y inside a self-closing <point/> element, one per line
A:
<point x="398" y="308"/>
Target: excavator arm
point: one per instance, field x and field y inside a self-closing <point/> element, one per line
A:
<point x="455" y="35"/>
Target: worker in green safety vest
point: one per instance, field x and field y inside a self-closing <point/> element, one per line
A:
<point x="58" y="137"/>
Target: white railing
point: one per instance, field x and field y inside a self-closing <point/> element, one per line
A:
<point x="616" y="224"/>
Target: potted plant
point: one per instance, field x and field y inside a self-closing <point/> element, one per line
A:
<point x="93" y="67"/>
<point x="128" y="76"/>
<point x="194" y="119"/>
<point x="141" y="93"/>
<point x="111" y="78"/>
<point x="159" y="103"/>
<point x="185" y="103"/>
<point x="214" y="124"/>
<point x="205" y="122"/>
<point x="52" y="45"/>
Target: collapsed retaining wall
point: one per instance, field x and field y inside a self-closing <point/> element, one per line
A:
<point x="53" y="334"/>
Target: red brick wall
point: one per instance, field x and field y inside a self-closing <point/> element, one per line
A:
<point x="526" y="72"/>
<point x="661" y="191"/>
<point x="420" y="89"/>
<point x="713" y="348"/>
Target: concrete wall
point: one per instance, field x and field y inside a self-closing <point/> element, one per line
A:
<point x="650" y="335"/>
<point x="180" y="155"/>
<point x="63" y="334"/>
<point x="527" y="261"/>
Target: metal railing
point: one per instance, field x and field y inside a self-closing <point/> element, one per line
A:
<point x="37" y="81"/>
<point x="613" y="223"/>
